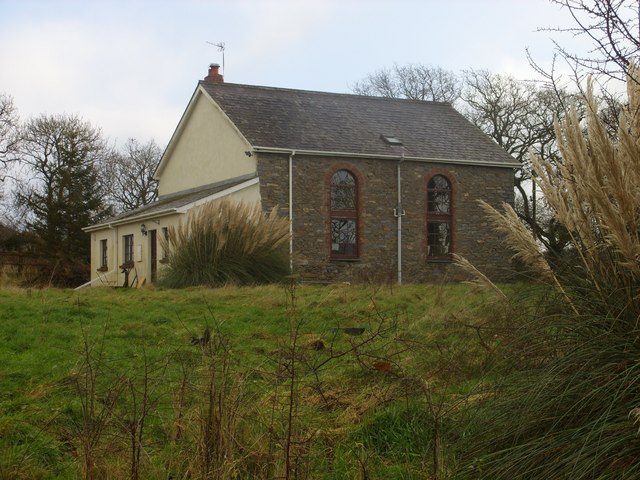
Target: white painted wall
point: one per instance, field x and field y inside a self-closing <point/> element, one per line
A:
<point x="115" y="243"/>
<point x="206" y="148"/>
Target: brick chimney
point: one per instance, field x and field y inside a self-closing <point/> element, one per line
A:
<point x="214" y="76"/>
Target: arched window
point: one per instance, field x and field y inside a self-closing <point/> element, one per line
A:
<point x="344" y="215"/>
<point x="439" y="218"/>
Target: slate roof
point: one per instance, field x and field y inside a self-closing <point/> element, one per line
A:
<point x="168" y="204"/>
<point x="319" y="121"/>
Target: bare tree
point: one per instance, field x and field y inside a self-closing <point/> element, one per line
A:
<point x="9" y="137"/>
<point x="613" y="29"/>
<point x="128" y="175"/>
<point x="416" y="82"/>
<point x="519" y="116"/>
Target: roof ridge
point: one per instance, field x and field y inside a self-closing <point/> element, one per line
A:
<point x="319" y="92"/>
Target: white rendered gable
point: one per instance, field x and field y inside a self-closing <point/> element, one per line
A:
<point x="205" y="148"/>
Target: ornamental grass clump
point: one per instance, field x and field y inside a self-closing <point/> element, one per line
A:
<point x="568" y="406"/>
<point x="226" y="243"/>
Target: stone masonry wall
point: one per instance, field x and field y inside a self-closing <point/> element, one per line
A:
<point x="473" y="237"/>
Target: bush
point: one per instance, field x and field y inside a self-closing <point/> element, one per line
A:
<point x="46" y="272"/>
<point x="569" y="408"/>
<point x="226" y="243"/>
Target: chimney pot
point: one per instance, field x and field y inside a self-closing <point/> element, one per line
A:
<point x="214" y="76"/>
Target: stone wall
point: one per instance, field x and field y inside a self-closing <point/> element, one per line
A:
<point x="473" y="237"/>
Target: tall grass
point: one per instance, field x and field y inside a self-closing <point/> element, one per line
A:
<point x="569" y="406"/>
<point x="226" y="243"/>
<point x="272" y="381"/>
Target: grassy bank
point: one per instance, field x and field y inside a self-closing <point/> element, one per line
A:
<point x="128" y="384"/>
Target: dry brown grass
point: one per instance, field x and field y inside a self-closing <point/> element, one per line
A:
<point x="227" y="242"/>
<point x="572" y="382"/>
<point x="595" y="193"/>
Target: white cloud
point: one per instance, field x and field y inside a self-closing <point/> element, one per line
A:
<point x="130" y="67"/>
<point x="110" y="76"/>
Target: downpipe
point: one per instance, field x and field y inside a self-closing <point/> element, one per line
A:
<point x="399" y="212"/>
<point x="291" y="155"/>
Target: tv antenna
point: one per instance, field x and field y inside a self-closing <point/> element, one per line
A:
<point x="220" y="46"/>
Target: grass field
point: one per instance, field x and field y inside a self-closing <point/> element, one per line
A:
<point x="106" y="383"/>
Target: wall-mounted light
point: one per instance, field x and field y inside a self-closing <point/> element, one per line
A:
<point x="143" y="229"/>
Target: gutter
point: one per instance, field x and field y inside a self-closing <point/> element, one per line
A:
<point x="329" y="153"/>
<point x="161" y="213"/>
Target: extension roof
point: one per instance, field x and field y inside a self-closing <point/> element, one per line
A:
<point x="179" y="202"/>
<point x="308" y="121"/>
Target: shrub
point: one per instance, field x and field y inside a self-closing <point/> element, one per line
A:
<point x="47" y="272"/>
<point x="570" y="406"/>
<point x="226" y="243"/>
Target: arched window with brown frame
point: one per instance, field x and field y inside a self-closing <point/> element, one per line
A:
<point x="344" y="215"/>
<point x="439" y="218"/>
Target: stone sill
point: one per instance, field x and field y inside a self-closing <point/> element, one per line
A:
<point x="439" y="260"/>
<point x="344" y="259"/>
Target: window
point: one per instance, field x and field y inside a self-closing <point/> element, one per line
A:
<point x="103" y="254"/>
<point x="128" y="248"/>
<point x="439" y="218"/>
<point x="165" y="245"/>
<point x="392" y="140"/>
<point x="344" y="215"/>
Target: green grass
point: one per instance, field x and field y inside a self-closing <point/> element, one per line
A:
<point x="349" y="418"/>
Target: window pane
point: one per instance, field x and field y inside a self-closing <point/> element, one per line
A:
<point x="438" y="195"/>
<point x="103" y="253"/>
<point x="439" y="182"/>
<point x="343" y="191"/>
<point x="128" y="248"/>
<point x="343" y="177"/>
<point x="438" y="201"/>
<point x="343" y="237"/>
<point x="438" y="238"/>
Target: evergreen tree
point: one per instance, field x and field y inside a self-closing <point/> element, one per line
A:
<point x="63" y="192"/>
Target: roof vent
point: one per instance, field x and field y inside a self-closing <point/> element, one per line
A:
<point x="392" y="140"/>
<point x="214" y="76"/>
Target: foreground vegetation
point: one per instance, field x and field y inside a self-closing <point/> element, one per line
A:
<point x="354" y="381"/>
<point x="567" y="404"/>
<point x="122" y="383"/>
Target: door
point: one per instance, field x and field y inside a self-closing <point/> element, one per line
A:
<point x="153" y="254"/>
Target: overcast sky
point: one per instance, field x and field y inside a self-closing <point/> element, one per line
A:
<point x="130" y="67"/>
